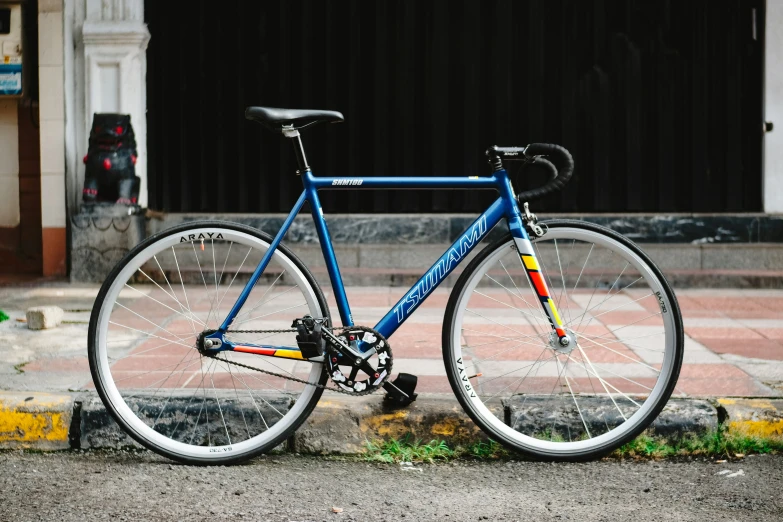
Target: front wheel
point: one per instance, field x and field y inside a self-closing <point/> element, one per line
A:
<point x="142" y="344"/>
<point x="530" y="393"/>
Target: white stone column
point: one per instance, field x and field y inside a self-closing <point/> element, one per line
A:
<point x="51" y="95"/>
<point x="109" y="69"/>
<point x="773" y="108"/>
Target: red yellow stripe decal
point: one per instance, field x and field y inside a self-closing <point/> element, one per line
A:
<point x="286" y="354"/>
<point x="530" y="262"/>
<point x="538" y="281"/>
<point x="531" y="265"/>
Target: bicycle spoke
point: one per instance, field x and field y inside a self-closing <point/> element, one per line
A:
<point x="576" y="396"/>
<point x="148" y="358"/>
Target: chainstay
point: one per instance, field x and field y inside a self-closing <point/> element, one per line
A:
<point x="291" y="377"/>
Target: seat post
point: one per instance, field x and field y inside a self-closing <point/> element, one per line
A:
<point x="290" y="132"/>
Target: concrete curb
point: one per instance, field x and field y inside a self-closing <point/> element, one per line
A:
<point x="41" y="421"/>
<point x="753" y="417"/>
<point x="341" y="425"/>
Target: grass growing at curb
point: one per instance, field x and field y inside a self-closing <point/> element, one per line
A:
<point x="3" y="316"/>
<point x="718" y="444"/>
<point x="409" y="450"/>
<point x="405" y="450"/>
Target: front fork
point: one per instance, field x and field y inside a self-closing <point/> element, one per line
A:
<point x="516" y="225"/>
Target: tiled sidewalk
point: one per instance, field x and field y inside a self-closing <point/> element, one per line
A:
<point x="733" y="345"/>
<point x="734" y="339"/>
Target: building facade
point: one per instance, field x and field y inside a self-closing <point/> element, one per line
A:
<point x="90" y="56"/>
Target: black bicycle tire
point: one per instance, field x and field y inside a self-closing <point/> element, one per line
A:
<point x="92" y="348"/>
<point x="454" y="377"/>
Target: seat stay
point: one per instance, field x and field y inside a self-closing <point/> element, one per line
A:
<point x="259" y="269"/>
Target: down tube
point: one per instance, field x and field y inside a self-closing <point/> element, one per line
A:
<point x="442" y="268"/>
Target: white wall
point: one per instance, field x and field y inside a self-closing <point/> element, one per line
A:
<point x="773" y="108"/>
<point x="9" y="163"/>
<point x="52" y="112"/>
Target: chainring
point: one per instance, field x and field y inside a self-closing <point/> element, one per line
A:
<point x="366" y="377"/>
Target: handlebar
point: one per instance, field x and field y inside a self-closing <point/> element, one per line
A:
<point x="559" y="169"/>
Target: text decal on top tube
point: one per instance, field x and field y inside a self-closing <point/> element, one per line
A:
<point x="441" y="269"/>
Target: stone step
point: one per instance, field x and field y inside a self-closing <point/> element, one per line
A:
<point x="694" y="251"/>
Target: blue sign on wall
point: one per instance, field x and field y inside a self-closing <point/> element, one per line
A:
<point x="10" y="79"/>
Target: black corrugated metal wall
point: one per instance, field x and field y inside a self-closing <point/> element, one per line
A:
<point x="660" y="101"/>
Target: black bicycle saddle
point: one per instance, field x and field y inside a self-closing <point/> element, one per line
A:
<point x="274" y="118"/>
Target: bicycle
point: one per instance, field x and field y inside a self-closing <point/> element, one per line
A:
<point x="563" y="343"/>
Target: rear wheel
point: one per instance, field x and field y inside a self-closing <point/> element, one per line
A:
<point x="142" y="344"/>
<point x="525" y="390"/>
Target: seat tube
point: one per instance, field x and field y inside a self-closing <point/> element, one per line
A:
<point x="328" y="252"/>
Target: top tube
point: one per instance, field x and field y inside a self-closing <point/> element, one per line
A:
<point x="402" y="182"/>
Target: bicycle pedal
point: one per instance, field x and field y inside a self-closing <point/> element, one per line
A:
<point x="309" y="338"/>
<point x="400" y="391"/>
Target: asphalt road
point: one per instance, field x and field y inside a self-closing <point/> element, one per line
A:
<point x="142" y="486"/>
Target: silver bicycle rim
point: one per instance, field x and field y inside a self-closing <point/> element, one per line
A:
<point x="192" y="377"/>
<point x="518" y="411"/>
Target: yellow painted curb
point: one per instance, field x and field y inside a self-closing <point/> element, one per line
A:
<point x="754" y="417"/>
<point x="35" y="420"/>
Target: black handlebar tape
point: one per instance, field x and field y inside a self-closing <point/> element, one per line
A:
<point x="561" y="173"/>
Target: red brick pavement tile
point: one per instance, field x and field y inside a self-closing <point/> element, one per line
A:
<point x="154" y="362"/>
<point x="152" y="380"/>
<point x="182" y="327"/>
<point x="515" y="351"/>
<point x="724" y="387"/>
<point x="636" y="318"/>
<point x="691" y="303"/>
<point x="433" y="384"/>
<point x="753" y="313"/>
<point x="437" y="301"/>
<point x="361" y="297"/>
<point x="59" y="364"/>
<point x="158" y="347"/>
<point x="510" y="351"/>
<point x="144" y="324"/>
<point x="771" y="333"/>
<point x="690" y="307"/>
<point x="774" y="304"/>
<point x="757" y="349"/>
<point x="738" y="307"/>
<point x="649" y="303"/>
<point x="717" y="372"/>
<point x="493" y="300"/>
<point x="226" y="381"/>
<point x="593" y="329"/>
<point x="498" y="331"/>
<point x="417" y="341"/>
<point x="608" y="353"/>
<point x="703" y="332"/>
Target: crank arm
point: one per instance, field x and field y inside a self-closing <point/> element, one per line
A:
<point x="342" y="347"/>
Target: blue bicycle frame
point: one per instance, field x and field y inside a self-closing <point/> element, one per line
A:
<point x="505" y="206"/>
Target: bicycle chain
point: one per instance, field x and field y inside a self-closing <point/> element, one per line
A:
<point x="291" y="377"/>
